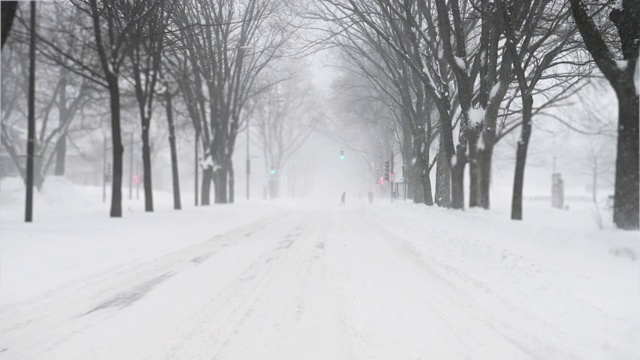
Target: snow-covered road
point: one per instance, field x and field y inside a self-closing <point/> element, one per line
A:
<point x="309" y="283"/>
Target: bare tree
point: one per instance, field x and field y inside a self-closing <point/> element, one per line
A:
<point x="56" y="109"/>
<point x="619" y="73"/>
<point x="111" y="23"/>
<point x="362" y="122"/>
<point x="285" y="117"/>
<point x="175" y="174"/>
<point x="411" y="36"/>
<point x="145" y="57"/>
<point x="398" y="87"/>
<point x="535" y="41"/>
<point x="227" y="45"/>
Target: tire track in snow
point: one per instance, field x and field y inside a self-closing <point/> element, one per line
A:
<point x="274" y="312"/>
<point x="320" y="283"/>
<point x="56" y="318"/>
<point x="399" y="290"/>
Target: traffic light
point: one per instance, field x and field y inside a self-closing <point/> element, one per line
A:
<point x="341" y="154"/>
<point x="386" y="170"/>
<point x="273" y="171"/>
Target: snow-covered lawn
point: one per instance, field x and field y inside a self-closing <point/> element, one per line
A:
<point x="304" y="279"/>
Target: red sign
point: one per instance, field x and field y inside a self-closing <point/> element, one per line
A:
<point x="392" y="177"/>
<point x="136" y="179"/>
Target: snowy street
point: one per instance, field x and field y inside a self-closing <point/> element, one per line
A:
<point x="332" y="283"/>
<point x="320" y="179"/>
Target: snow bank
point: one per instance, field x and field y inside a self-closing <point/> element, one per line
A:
<point x="72" y="236"/>
<point x="555" y="265"/>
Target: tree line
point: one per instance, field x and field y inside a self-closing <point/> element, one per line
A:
<point x="211" y="62"/>
<point x="440" y="81"/>
<point x="458" y="76"/>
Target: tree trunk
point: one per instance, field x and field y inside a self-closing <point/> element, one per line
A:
<point x="426" y="181"/>
<point x="416" y="186"/>
<point x="61" y="155"/>
<point x="175" y="174"/>
<point x="418" y="170"/>
<point x="205" y="194"/>
<point x="457" y="178"/>
<point x="474" y="170"/>
<point x="231" y="183"/>
<point x="220" y="185"/>
<point x="521" y="158"/>
<point x="484" y="173"/>
<point x="116" y="143"/>
<point x="626" y="198"/>
<point x="64" y="118"/>
<point x="443" y="179"/>
<point x="114" y="106"/>
<point x="146" y="165"/>
<point x="408" y="168"/>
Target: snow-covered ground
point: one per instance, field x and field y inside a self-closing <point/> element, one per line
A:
<point x="311" y="280"/>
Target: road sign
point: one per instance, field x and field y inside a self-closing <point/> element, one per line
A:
<point x="392" y="177"/>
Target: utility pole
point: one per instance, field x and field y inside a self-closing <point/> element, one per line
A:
<point x="28" y="216"/>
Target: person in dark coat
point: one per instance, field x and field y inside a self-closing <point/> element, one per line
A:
<point x="343" y="199"/>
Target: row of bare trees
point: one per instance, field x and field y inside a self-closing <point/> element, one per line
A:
<point x="198" y="59"/>
<point x="460" y="75"/>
